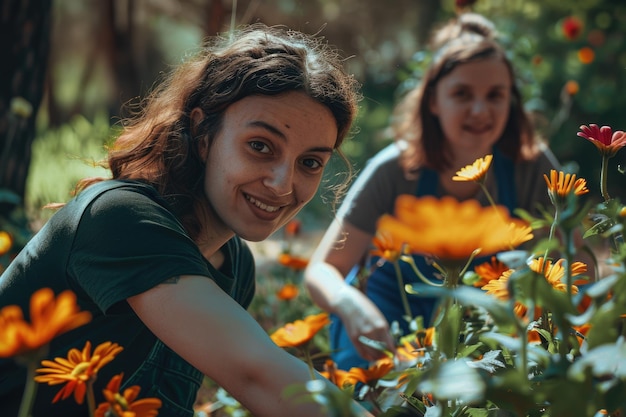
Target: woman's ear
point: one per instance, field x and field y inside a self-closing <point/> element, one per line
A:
<point x="196" y="116"/>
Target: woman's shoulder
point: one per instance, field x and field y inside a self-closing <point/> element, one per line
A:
<point x="122" y="201"/>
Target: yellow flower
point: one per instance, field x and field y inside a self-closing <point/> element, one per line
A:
<point x="123" y="404"/>
<point x="488" y="271"/>
<point x="79" y="368"/>
<point x="5" y="242"/>
<point x="499" y="288"/>
<point x="451" y="230"/>
<point x="292" y="262"/>
<point x="300" y="332"/>
<point x="560" y="184"/>
<point x="476" y="171"/>
<point x="607" y="141"/>
<point x="287" y="292"/>
<point x="554" y="272"/>
<point x="49" y="317"/>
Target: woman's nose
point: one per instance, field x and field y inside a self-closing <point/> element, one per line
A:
<point x="280" y="180"/>
<point x="478" y="106"/>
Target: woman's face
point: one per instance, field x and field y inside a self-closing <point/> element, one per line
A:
<point x="473" y="103"/>
<point x="267" y="162"/>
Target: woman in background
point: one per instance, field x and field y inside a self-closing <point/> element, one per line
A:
<point x="465" y="107"/>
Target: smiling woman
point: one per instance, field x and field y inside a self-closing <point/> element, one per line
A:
<point x="231" y="145"/>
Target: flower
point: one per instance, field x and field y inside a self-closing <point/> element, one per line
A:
<point x="449" y="229"/>
<point x="499" y="288"/>
<point x="560" y="185"/>
<point x="123" y="404"/>
<point x="476" y="171"/>
<point x="586" y="55"/>
<point x="607" y="141"/>
<point x="292" y="229"/>
<point x="571" y="87"/>
<point x="386" y="248"/>
<point x="488" y="271"/>
<point x="49" y="317"/>
<point x="5" y="242"/>
<point x="572" y="27"/>
<point x="292" y="262"/>
<point x="554" y="272"/>
<point x="287" y="292"/>
<point x="300" y="332"/>
<point x="343" y="378"/>
<point x="79" y="368"/>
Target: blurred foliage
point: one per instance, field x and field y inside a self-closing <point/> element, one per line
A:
<point x="386" y="60"/>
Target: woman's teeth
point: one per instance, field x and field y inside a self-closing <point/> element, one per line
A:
<point x="262" y="206"/>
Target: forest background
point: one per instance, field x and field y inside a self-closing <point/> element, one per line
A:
<point x="70" y="66"/>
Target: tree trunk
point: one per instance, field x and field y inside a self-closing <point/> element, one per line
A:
<point x="25" y="41"/>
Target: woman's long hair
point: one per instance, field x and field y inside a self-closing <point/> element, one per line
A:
<point x="157" y="145"/>
<point x="468" y="38"/>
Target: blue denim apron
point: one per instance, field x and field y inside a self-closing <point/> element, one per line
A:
<point x="167" y="376"/>
<point x="382" y="285"/>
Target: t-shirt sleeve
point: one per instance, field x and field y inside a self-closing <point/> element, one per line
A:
<point x="374" y="191"/>
<point x="125" y="244"/>
<point x="532" y="189"/>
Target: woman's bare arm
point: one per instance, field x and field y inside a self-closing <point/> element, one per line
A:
<point x="195" y="318"/>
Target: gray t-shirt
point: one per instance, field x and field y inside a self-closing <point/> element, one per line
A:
<point x="382" y="180"/>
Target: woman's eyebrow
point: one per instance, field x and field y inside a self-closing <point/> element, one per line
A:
<point x="273" y="129"/>
<point x="269" y="127"/>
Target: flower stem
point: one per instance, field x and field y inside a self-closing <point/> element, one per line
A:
<point x="30" y="390"/>
<point x="405" y="301"/>
<point x="603" y="178"/>
<point x="309" y="361"/>
<point x="91" y="399"/>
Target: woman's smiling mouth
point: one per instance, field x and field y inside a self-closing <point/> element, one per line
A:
<point x="260" y="205"/>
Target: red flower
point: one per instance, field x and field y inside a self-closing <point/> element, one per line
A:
<point x="572" y="27"/>
<point x="607" y="141"/>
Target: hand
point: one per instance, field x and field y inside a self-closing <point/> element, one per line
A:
<point x="361" y="317"/>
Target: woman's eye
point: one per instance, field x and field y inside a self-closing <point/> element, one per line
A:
<point x="259" y="146"/>
<point x="311" y="163"/>
<point x="462" y="94"/>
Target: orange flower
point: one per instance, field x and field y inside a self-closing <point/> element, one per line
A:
<point x="386" y="248"/>
<point x="49" y="317"/>
<point x="342" y="378"/>
<point x="488" y="271"/>
<point x="607" y="141"/>
<point x="476" y="171"/>
<point x="581" y="332"/>
<point x="451" y="230"/>
<point x="414" y="348"/>
<point x="586" y="55"/>
<point x="292" y="262"/>
<point x="292" y="229"/>
<point x="571" y="88"/>
<point x="5" y="242"/>
<point x="123" y="404"/>
<point x="287" y="292"/>
<point x="572" y="27"/>
<point x="554" y="272"/>
<point x="560" y="185"/>
<point x="300" y="332"/>
<point x="79" y="368"/>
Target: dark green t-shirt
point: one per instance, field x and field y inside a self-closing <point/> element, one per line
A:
<point x="116" y="239"/>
